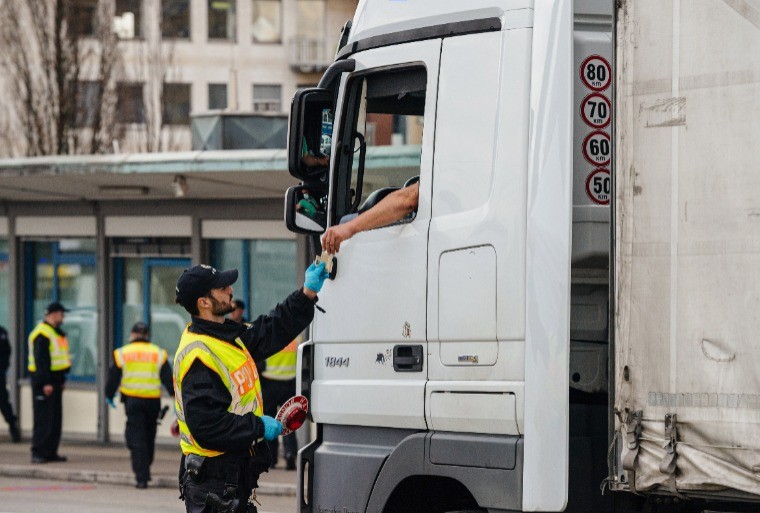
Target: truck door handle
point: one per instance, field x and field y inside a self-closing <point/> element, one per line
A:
<point x="407" y="358"/>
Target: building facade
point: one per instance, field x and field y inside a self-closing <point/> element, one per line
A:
<point x="175" y="58"/>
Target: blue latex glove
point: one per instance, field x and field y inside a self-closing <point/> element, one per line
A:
<point x="315" y="277"/>
<point x="272" y="428"/>
<point x="109" y="402"/>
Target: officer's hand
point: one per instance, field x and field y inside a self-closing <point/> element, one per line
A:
<point x="109" y="402"/>
<point x="47" y="390"/>
<point x="315" y="277"/>
<point x="272" y="428"/>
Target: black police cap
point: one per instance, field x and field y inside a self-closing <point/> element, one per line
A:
<point x="198" y="280"/>
<point x="140" y="328"/>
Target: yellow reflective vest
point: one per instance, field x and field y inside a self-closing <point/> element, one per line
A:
<point x="234" y="365"/>
<point x="58" y="346"/>
<point x="282" y="366"/>
<point x="140" y="364"/>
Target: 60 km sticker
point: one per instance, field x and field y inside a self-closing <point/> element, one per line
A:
<point x="596" y="110"/>
<point x="596" y="73"/>
<point x="597" y="148"/>
<point x="599" y="186"/>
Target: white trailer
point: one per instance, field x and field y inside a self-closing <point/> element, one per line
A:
<point x="466" y="358"/>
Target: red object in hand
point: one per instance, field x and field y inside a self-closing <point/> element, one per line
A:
<point x="175" y="429"/>
<point x="292" y="414"/>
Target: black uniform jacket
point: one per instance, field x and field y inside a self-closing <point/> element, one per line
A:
<point x="114" y="378"/>
<point x="205" y="398"/>
<point x="43" y="375"/>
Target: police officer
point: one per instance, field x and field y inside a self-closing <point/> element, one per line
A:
<point x="49" y="362"/>
<point x="5" y="406"/>
<point x="217" y="390"/>
<point x="278" y="384"/>
<point x="140" y="368"/>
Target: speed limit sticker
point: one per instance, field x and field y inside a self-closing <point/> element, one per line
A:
<point x="596" y="110"/>
<point x="596" y="73"/>
<point x="599" y="186"/>
<point x="597" y="148"/>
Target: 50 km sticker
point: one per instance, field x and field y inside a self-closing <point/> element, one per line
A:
<point x="599" y="186"/>
<point x="596" y="73"/>
<point x="597" y="148"/>
<point x="596" y="110"/>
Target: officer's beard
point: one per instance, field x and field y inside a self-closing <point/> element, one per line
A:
<point x="220" y="309"/>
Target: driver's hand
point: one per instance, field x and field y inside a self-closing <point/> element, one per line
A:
<point x="334" y="236"/>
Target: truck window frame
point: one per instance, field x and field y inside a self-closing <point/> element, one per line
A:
<point x="342" y="171"/>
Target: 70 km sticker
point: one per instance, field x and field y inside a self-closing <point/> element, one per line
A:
<point x="597" y="148"/>
<point x="599" y="186"/>
<point x="596" y="110"/>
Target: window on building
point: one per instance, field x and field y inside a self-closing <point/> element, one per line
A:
<point x="65" y="271"/>
<point x="175" y="19"/>
<point x="221" y="19"/>
<point x="128" y="19"/>
<point x="130" y="107"/>
<point x="88" y="103"/>
<point x="310" y="19"/>
<point x="176" y="108"/>
<point x="267" y="98"/>
<point x="266" y="23"/>
<point x="82" y="16"/>
<point x="267" y="271"/>
<point x="217" y="96"/>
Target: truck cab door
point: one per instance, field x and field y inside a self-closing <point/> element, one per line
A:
<point x="370" y="346"/>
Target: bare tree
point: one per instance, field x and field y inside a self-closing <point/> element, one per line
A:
<point x="44" y="61"/>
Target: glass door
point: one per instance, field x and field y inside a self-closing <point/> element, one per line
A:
<point x="145" y="292"/>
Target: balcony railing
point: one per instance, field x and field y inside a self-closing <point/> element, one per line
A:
<point x="309" y="55"/>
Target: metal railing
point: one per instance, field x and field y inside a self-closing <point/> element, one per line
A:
<point x="309" y="55"/>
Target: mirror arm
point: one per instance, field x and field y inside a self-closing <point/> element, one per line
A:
<point x="334" y="71"/>
<point x="360" y="171"/>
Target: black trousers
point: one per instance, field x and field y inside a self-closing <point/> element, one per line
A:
<point x="212" y="481"/>
<point x="48" y="417"/>
<point x="5" y="406"/>
<point x="140" y="433"/>
<point x="276" y="393"/>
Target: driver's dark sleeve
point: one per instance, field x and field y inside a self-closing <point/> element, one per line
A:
<point x="205" y="400"/>
<point x="270" y="333"/>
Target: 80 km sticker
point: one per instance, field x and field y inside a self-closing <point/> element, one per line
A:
<point x="596" y="73"/>
<point x="599" y="186"/>
<point x="597" y="148"/>
<point x="596" y="110"/>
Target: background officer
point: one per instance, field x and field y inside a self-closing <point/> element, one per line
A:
<point x="217" y="390"/>
<point x="278" y="384"/>
<point x="5" y="406"/>
<point x="141" y="368"/>
<point x="49" y="362"/>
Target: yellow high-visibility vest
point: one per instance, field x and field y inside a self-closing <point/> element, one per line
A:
<point x="234" y="365"/>
<point x="282" y="366"/>
<point x="140" y="364"/>
<point x="58" y="346"/>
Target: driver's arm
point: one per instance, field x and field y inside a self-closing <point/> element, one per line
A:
<point x="392" y="208"/>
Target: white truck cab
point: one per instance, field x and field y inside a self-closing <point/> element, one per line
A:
<point x="463" y="360"/>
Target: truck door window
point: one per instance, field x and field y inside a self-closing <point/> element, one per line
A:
<point x="385" y="112"/>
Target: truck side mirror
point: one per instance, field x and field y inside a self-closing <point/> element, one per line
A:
<point x="310" y="134"/>
<point x="306" y="209"/>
